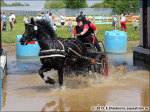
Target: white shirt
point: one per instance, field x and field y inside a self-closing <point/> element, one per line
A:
<point x="25" y="19"/>
<point x="11" y="17"/>
<point x="62" y="19"/>
<point x="55" y="28"/>
<point x="123" y="18"/>
<point x="135" y="23"/>
<point x="115" y="19"/>
<point x="50" y="18"/>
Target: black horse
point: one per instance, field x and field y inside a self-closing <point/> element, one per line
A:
<point x="54" y="53"/>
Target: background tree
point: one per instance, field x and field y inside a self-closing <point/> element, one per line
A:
<point x="135" y="5"/>
<point x="75" y="4"/>
<point x="105" y="4"/>
<point x="13" y="4"/>
<point x="126" y="6"/>
<point x="17" y="4"/>
<point x="119" y="6"/>
<point x="3" y="3"/>
<point x="54" y="4"/>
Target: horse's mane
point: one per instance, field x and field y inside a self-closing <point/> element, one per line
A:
<point x="46" y="28"/>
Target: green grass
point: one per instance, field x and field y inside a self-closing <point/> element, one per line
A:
<point x="10" y="36"/>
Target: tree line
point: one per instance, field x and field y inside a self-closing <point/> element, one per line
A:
<point x="119" y="6"/>
<point x="13" y="4"/>
<point x="73" y="4"/>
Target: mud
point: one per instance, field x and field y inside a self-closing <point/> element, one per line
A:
<point x="126" y="85"/>
<point x="11" y="47"/>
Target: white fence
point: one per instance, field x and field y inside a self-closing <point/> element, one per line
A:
<point x="33" y="11"/>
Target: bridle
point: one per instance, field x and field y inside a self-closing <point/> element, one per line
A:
<point x="53" y="52"/>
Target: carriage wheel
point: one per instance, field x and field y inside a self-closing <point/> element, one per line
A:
<point x="104" y="67"/>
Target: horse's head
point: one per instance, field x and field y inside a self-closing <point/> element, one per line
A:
<point x="30" y="32"/>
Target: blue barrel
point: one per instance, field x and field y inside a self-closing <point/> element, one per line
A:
<point x="115" y="42"/>
<point x="31" y="50"/>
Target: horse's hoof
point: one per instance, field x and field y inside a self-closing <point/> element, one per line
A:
<point x="50" y="81"/>
<point x="62" y="87"/>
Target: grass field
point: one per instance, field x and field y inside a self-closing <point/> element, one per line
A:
<point x="132" y="36"/>
<point x="10" y="36"/>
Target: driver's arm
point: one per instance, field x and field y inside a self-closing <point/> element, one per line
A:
<point x="95" y="32"/>
<point x="86" y="27"/>
<point x="84" y="31"/>
<point x="94" y="28"/>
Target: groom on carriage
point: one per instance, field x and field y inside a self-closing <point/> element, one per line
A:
<point x="86" y="32"/>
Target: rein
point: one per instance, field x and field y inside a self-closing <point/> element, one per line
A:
<point x="91" y="59"/>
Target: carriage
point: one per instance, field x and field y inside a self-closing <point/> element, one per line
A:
<point x="63" y="55"/>
<point x="93" y="62"/>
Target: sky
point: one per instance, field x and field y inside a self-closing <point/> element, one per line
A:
<point x="41" y="2"/>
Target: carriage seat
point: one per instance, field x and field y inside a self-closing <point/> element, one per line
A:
<point x="90" y="50"/>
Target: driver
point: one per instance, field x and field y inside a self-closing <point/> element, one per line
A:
<point x="86" y="31"/>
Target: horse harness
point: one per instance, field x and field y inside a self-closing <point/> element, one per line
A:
<point x="58" y="52"/>
<point x="61" y="53"/>
<point x="53" y="52"/>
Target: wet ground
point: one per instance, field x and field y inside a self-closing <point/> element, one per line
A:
<point x="126" y="85"/>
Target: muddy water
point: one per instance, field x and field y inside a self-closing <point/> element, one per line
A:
<point x="26" y="91"/>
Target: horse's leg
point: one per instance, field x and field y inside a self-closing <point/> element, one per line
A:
<point x="60" y="76"/>
<point x="46" y="79"/>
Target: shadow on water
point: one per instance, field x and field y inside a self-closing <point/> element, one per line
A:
<point x="55" y="105"/>
<point x="84" y="100"/>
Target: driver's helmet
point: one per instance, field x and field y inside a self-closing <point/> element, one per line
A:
<point x="80" y="18"/>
